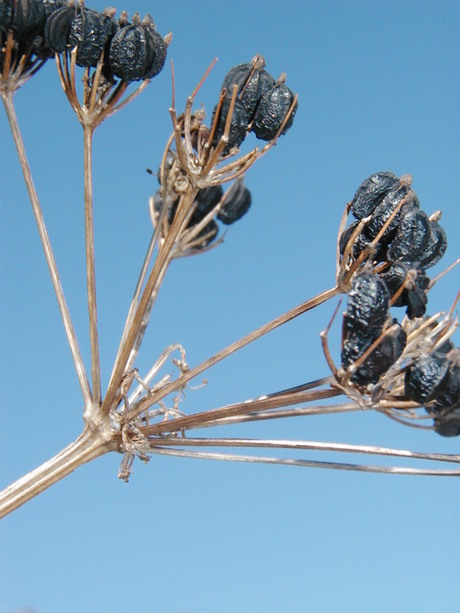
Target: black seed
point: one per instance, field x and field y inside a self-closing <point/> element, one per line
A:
<point x="426" y="377"/>
<point x="368" y="304"/>
<point x="361" y="242"/>
<point x="412" y="236"/>
<point x="6" y="14"/>
<point x="28" y="18"/>
<point x="371" y="192"/>
<point x="385" y="208"/>
<point x="449" y="396"/>
<point x="252" y="82"/>
<point x="272" y="111"/>
<point x="448" y="425"/>
<point x="90" y="31"/>
<point x="382" y="357"/>
<point x="137" y="51"/>
<point x="207" y="234"/>
<point x="236" y="204"/>
<point x="413" y="296"/>
<point x="205" y="201"/>
<point x="57" y="29"/>
<point x="436" y="246"/>
<point x="238" y="125"/>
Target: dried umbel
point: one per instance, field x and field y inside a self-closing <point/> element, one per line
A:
<point x="259" y="104"/>
<point x="137" y="51"/>
<point x="397" y="236"/>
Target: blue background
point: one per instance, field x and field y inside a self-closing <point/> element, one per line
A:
<point x="378" y="90"/>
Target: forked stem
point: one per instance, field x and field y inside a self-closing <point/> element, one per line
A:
<point x="54" y="273"/>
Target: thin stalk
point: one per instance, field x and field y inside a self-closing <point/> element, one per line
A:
<point x="90" y="264"/>
<point x="46" y="244"/>
<point x="239" y="344"/>
<point x="88" y="446"/>
<point x="157" y="271"/>
<point x="228" y="457"/>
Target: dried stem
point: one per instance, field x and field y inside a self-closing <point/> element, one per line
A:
<point x="88" y="446"/>
<point x="69" y="329"/>
<point x="239" y="344"/>
<point x="157" y="271"/>
<point x="90" y="264"/>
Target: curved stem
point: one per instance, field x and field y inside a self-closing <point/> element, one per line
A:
<point x="88" y="446"/>
<point x="90" y="265"/>
<point x="54" y="274"/>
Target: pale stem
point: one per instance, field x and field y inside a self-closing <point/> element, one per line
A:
<point x="46" y="244"/>
<point x="395" y="470"/>
<point x="88" y="446"/>
<point x="90" y="265"/>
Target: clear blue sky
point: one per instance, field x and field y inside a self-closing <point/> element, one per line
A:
<point x="378" y="86"/>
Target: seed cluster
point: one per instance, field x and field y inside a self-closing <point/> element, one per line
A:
<point x="411" y="243"/>
<point x="210" y="202"/>
<point x="262" y="105"/>
<point x="393" y="274"/>
<point x="131" y="51"/>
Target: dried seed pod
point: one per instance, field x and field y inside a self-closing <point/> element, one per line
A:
<point x="382" y="357"/>
<point x="206" y="199"/>
<point x="413" y="296"/>
<point x="137" y="51"/>
<point x="360" y="243"/>
<point x="90" y="32"/>
<point x="448" y="397"/>
<point x="436" y="246"/>
<point x="6" y="14"/>
<point x="448" y="425"/>
<point x="272" y="111"/>
<point x="385" y="208"/>
<point x="371" y="191"/>
<point x="426" y="377"/>
<point x="28" y="18"/>
<point x="238" y="125"/>
<point x="236" y="204"/>
<point x="412" y="235"/>
<point x="368" y="304"/>
<point x="252" y="82"/>
<point x="57" y="29"/>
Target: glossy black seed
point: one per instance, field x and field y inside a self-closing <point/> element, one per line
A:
<point x="137" y="51"/>
<point x="371" y="191"/>
<point x="157" y="51"/>
<point x="252" y="82"/>
<point x="448" y="425"/>
<point x="412" y="235"/>
<point x="449" y="396"/>
<point x="238" y="126"/>
<point x="236" y="204"/>
<point x="426" y="377"/>
<point x="385" y="208"/>
<point x="368" y="304"/>
<point x="272" y="111"/>
<point x="436" y="246"/>
<point x="361" y="242"/>
<point x="57" y="29"/>
<point x="382" y="357"/>
<point x="28" y="18"/>
<point x="90" y="31"/>
<point x="205" y="201"/>
<point x="413" y="296"/>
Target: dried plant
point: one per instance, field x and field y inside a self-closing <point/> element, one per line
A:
<point x="407" y="370"/>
